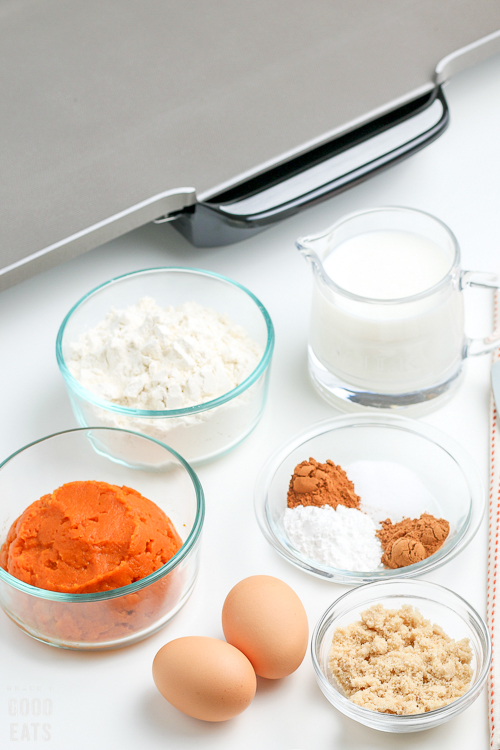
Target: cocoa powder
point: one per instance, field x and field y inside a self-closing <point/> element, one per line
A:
<point x="318" y="484"/>
<point x="412" y="539"/>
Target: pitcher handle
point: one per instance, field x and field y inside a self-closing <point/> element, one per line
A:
<point x="482" y="280"/>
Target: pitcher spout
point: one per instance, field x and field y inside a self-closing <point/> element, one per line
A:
<point x="303" y="245"/>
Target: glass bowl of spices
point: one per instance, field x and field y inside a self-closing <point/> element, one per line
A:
<point x="369" y="497"/>
<point x="179" y="354"/>
<point x="401" y="656"/>
<point x="95" y="554"/>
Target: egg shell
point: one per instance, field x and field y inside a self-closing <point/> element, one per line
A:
<point x="264" y="618"/>
<point x="204" y="677"/>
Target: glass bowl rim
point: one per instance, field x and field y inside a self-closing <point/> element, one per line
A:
<point x="142" y="583"/>
<point x="456" y="706"/>
<point x="453" y="449"/>
<point x="303" y="246"/>
<point x="90" y="397"/>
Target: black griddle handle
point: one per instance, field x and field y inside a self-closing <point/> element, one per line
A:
<point x="315" y="176"/>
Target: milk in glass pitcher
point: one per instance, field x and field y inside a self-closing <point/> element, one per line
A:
<point x="387" y="321"/>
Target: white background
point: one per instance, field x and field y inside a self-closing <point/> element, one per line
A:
<point x="108" y="700"/>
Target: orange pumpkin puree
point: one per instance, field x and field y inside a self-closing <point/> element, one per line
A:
<point x="87" y="537"/>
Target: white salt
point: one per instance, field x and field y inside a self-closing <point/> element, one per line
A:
<point x="390" y="490"/>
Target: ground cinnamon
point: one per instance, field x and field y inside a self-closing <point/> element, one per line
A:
<point x="318" y="484"/>
<point x="412" y="539"/>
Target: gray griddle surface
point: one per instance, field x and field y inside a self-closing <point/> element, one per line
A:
<point x="105" y="104"/>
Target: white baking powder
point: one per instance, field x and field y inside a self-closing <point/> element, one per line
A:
<point x="343" y="538"/>
<point x="154" y="358"/>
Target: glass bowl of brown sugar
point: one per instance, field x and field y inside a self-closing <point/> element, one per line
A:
<point x="414" y="628"/>
<point x="369" y="497"/>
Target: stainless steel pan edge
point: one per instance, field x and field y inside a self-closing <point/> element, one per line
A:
<point x="169" y="202"/>
<point x="253" y="201"/>
<point x="249" y="206"/>
<point x="323" y="172"/>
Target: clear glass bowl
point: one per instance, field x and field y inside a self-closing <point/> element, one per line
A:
<point x="201" y="432"/>
<point x="122" y="616"/>
<point x="454" y="489"/>
<point x="436" y="603"/>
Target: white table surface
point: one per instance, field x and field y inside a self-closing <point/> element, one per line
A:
<point x="108" y="700"/>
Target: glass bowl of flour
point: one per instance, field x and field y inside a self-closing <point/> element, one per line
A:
<point x="180" y="355"/>
<point x="399" y="468"/>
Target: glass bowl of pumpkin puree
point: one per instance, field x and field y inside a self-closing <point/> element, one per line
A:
<point x="95" y="554"/>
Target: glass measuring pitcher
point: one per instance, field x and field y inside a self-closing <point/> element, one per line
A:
<point x="387" y="321"/>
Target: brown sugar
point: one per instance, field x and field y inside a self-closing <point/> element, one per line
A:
<point x="319" y="484"/>
<point x="412" y="539"/>
<point x="395" y="661"/>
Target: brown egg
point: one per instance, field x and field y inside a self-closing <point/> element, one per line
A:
<point x="204" y="677"/>
<point x="265" y="619"/>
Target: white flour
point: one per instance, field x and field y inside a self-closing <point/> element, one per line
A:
<point x="148" y="357"/>
<point x="343" y="538"/>
<point x="153" y="358"/>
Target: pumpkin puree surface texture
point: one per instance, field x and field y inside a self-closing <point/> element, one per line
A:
<point x="87" y="537"/>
